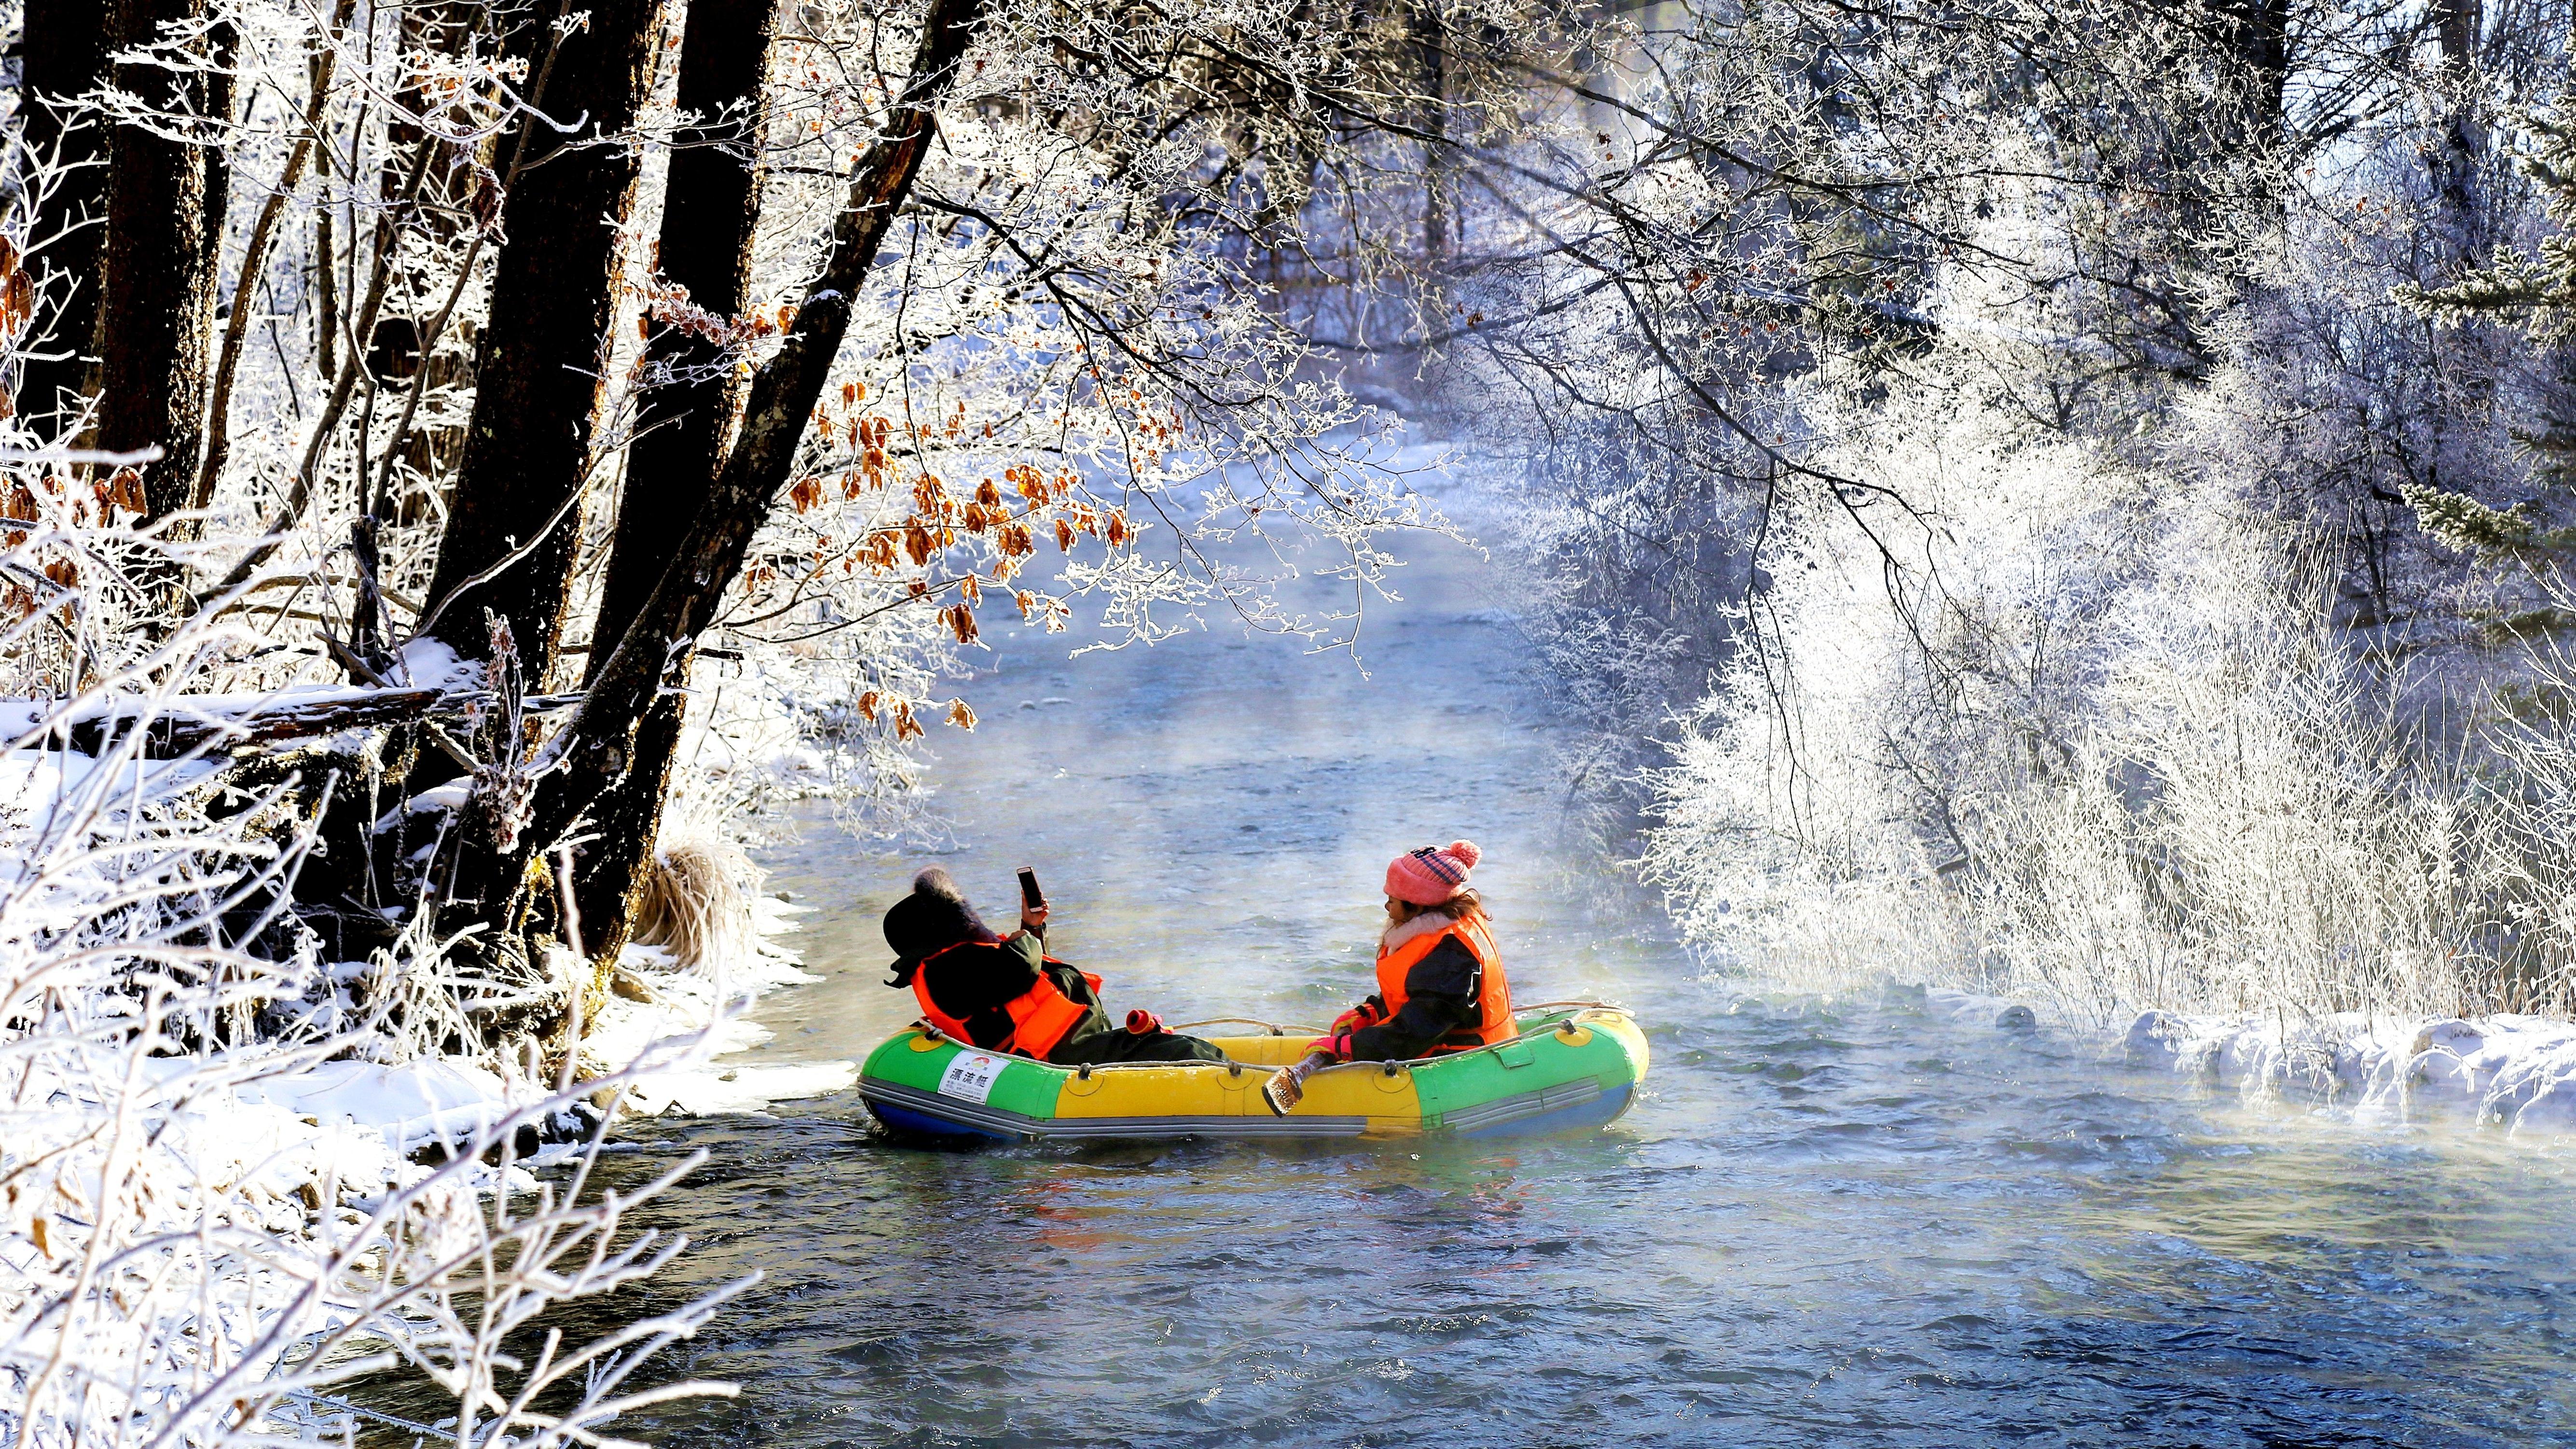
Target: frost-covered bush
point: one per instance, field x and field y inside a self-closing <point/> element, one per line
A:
<point x="197" y="1242"/>
<point x="2073" y="722"/>
<point x="2044" y="497"/>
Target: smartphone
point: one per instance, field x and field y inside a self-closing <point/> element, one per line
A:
<point x="1030" y="896"/>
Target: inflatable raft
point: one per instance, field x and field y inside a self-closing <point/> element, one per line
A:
<point x="1573" y="1067"/>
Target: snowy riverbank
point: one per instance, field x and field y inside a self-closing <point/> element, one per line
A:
<point x="660" y="1037"/>
<point x="2507" y="1072"/>
<point x="190" y="1226"/>
<point x="2517" y="1073"/>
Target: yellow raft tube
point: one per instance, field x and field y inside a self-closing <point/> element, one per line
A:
<point x="1575" y="1066"/>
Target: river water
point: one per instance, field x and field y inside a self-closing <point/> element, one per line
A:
<point x="1822" y="1224"/>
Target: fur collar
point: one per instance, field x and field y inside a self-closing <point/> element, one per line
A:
<point x="1428" y="923"/>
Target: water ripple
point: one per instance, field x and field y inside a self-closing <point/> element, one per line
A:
<point x="1822" y="1224"/>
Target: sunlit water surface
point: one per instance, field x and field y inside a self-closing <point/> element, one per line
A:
<point x="1821" y="1225"/>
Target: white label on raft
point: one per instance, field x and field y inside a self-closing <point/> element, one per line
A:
<point x="971" y="1075"/>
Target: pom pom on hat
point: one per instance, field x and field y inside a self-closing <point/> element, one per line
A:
<point x="1433" y="874"/>
<point x="935" y="916"/>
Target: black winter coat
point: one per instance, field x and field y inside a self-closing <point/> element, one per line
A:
<point x="974" y="982"/>
<point x="1439" y="997"/>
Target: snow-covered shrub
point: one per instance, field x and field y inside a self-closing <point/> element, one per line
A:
<point x="2532" y="730"/>
<point x="2070" y="721"/>
<point x="198" y="1238"/>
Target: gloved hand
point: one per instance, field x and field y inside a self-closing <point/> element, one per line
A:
<point x="1367" y="1013"/>
<point x="1287" y="1086"/>
<point x="1144" y="1023"/>
<point x="1335" y="1048"/>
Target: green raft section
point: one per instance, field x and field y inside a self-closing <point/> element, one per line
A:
<point x="1572" y="1068"/>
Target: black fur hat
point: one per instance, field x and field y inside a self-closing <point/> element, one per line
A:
<point x="933" y="918"/>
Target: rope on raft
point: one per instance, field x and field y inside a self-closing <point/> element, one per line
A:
<point x="1237" y="1068"/>
<point x="1273" y="1028"/>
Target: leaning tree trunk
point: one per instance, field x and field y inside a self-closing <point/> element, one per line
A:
<point x="164" y="235"/>
<point x="65" y="49"/>
<point x="598" y="743"/>
<point x="710" y="211"/>
<point x="540" y="367"/>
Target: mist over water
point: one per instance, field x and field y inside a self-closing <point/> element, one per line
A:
<point x="1821" y="1224"/>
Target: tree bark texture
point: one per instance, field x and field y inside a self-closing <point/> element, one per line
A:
<point x="2454" y="163"/>
<point x="65" y="51"/>
<point x="1431" y="43"/>
<point x="164" y="235"/>
<point x="540" y="365"/>
<point x="710" y="212"/>
<point x="2254" y="38"/>
<point x="598" y="744"/>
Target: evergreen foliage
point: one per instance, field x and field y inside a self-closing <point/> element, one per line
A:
<point x="2534" y="291"/>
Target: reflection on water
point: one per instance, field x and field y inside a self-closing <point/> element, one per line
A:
<point x="1844" y="1226"/>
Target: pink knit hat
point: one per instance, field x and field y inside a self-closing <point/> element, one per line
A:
<point x="1433" y="874"/>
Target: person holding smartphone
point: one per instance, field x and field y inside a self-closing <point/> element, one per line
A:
<point x="1005" y="993"/>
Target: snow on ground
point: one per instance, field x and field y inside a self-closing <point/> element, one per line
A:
<point x="270" y="1133"/>
<point x="176" y="1205"/>
<point x="683" y="1002"/>
<point x="258" y="1152"/>
<point x="2517" y="1073"/>
<point x="2513" y="1072"/>
<point x="407" y="1107"/>
<point x="671" y="1024"/>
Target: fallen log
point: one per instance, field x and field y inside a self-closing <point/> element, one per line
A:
<point x="177" y="727"/>
<point x="183" y="724"/>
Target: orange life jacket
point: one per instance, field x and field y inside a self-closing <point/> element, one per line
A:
<point x="1493" y="1020"/>
<point x="1040" y="1016"/>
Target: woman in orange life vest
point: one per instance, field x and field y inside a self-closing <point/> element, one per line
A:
<point x="1008" y="995"/>
<point x="1440" y="983"/>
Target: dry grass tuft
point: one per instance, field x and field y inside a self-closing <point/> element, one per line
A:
<point x="697" y="898"/>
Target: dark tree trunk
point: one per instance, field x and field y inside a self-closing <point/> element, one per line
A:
<point x="65" y="55"/>
<point x="2252" y="41"/>
<point x="540" y="375"/>
<point x="2454" y="163"/>
<point x="1431" y="50"/>
<point x="710" y="210"/>
<point x="164" y="233"/>
<point x="326" y="276"/>
<point x="599" y="741"/>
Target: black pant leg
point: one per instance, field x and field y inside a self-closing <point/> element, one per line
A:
<point x="1127" y="1046"/>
